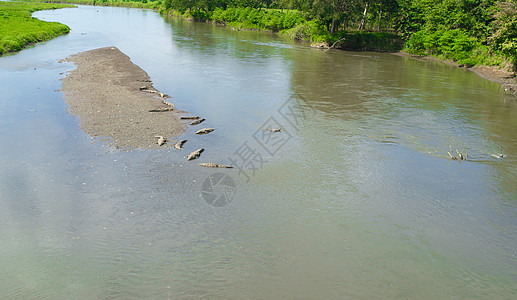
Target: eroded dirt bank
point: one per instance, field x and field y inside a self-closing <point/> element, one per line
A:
<point x="106" y="92"/>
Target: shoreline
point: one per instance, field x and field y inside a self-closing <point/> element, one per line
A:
<point x="105" y="92"/>
<point x="20" y="30"/>
<point x="506" y="79"/>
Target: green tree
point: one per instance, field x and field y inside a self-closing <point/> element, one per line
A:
<point x="504" y="36"/>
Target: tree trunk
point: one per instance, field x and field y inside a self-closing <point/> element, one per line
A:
<point x="345" y="23"/>
<point x="363" y="21"/>
<point x="333" y="28"/>
<point x="380" y="17"/>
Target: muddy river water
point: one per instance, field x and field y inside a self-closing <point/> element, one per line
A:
<point x="356" y="197"/>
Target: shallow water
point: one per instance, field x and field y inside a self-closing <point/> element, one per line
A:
<point x="355" y="197"/>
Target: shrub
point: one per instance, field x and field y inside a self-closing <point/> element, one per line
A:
<point x="253" y="18"/>
<point x="453" y="44"/>
<point x="301" y="32"/>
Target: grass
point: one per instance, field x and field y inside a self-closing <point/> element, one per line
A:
<point x="151" y="4"/>
<point x="19" y="29"/>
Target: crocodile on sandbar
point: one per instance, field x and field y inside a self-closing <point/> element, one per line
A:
<point x="198" y="121"/>
<point x="214" y="165"/>
<point x="195" y="154"/>
<point x="179" y="145"/>
<point x="205" y="130"/>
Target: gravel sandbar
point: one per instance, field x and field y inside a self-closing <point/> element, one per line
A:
<point x="105" y="93"/>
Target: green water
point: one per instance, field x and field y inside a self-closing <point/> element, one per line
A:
<point x="355" y="198"/>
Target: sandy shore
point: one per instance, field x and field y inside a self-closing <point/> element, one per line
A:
<point x="104" y="92"/>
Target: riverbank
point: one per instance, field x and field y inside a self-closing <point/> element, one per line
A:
<point x="106" y="92"/>
<point x="347" y="41"/>
<point x="503" y="77"/>
<point x="500" y="75"/>
<point x="116" y="3"/>
<point x="355" y="41"/>
<point x="18" y="29"/>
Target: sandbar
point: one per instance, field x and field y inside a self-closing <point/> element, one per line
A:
<point x="106" y="93"/>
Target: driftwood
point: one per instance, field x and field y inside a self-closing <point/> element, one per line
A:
<point x="459" y="156"/>
<point x="452" y="157"/>
<point x="333" y="45"/>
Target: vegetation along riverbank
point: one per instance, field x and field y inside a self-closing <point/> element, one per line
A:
<point x="470" y="32"/>
<point x="116" y="3"/>
<point x="18" y="29"/>
<point x="466" y="33"/>
<point x="474" y="32"/>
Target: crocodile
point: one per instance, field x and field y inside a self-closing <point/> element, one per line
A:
<point x="195" y="154"/>
<point x="205" y="130"/>
<point x="179" y="145"/>
<point x="213" y="165"/>
<point x="170" y="108"/>
<point x="198" y="121"/>
<point x="189" y="117"/>
<point x="161" y="140"/>
<point x="168" y="103"/>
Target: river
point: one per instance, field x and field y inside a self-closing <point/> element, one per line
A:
<point x="356" y="197"/>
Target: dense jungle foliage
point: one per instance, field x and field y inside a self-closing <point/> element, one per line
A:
<point x="469" y="32"/>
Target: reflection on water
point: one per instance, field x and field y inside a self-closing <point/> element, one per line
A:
<point x="425" y="106"/>
<point x="362" y="200"/>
